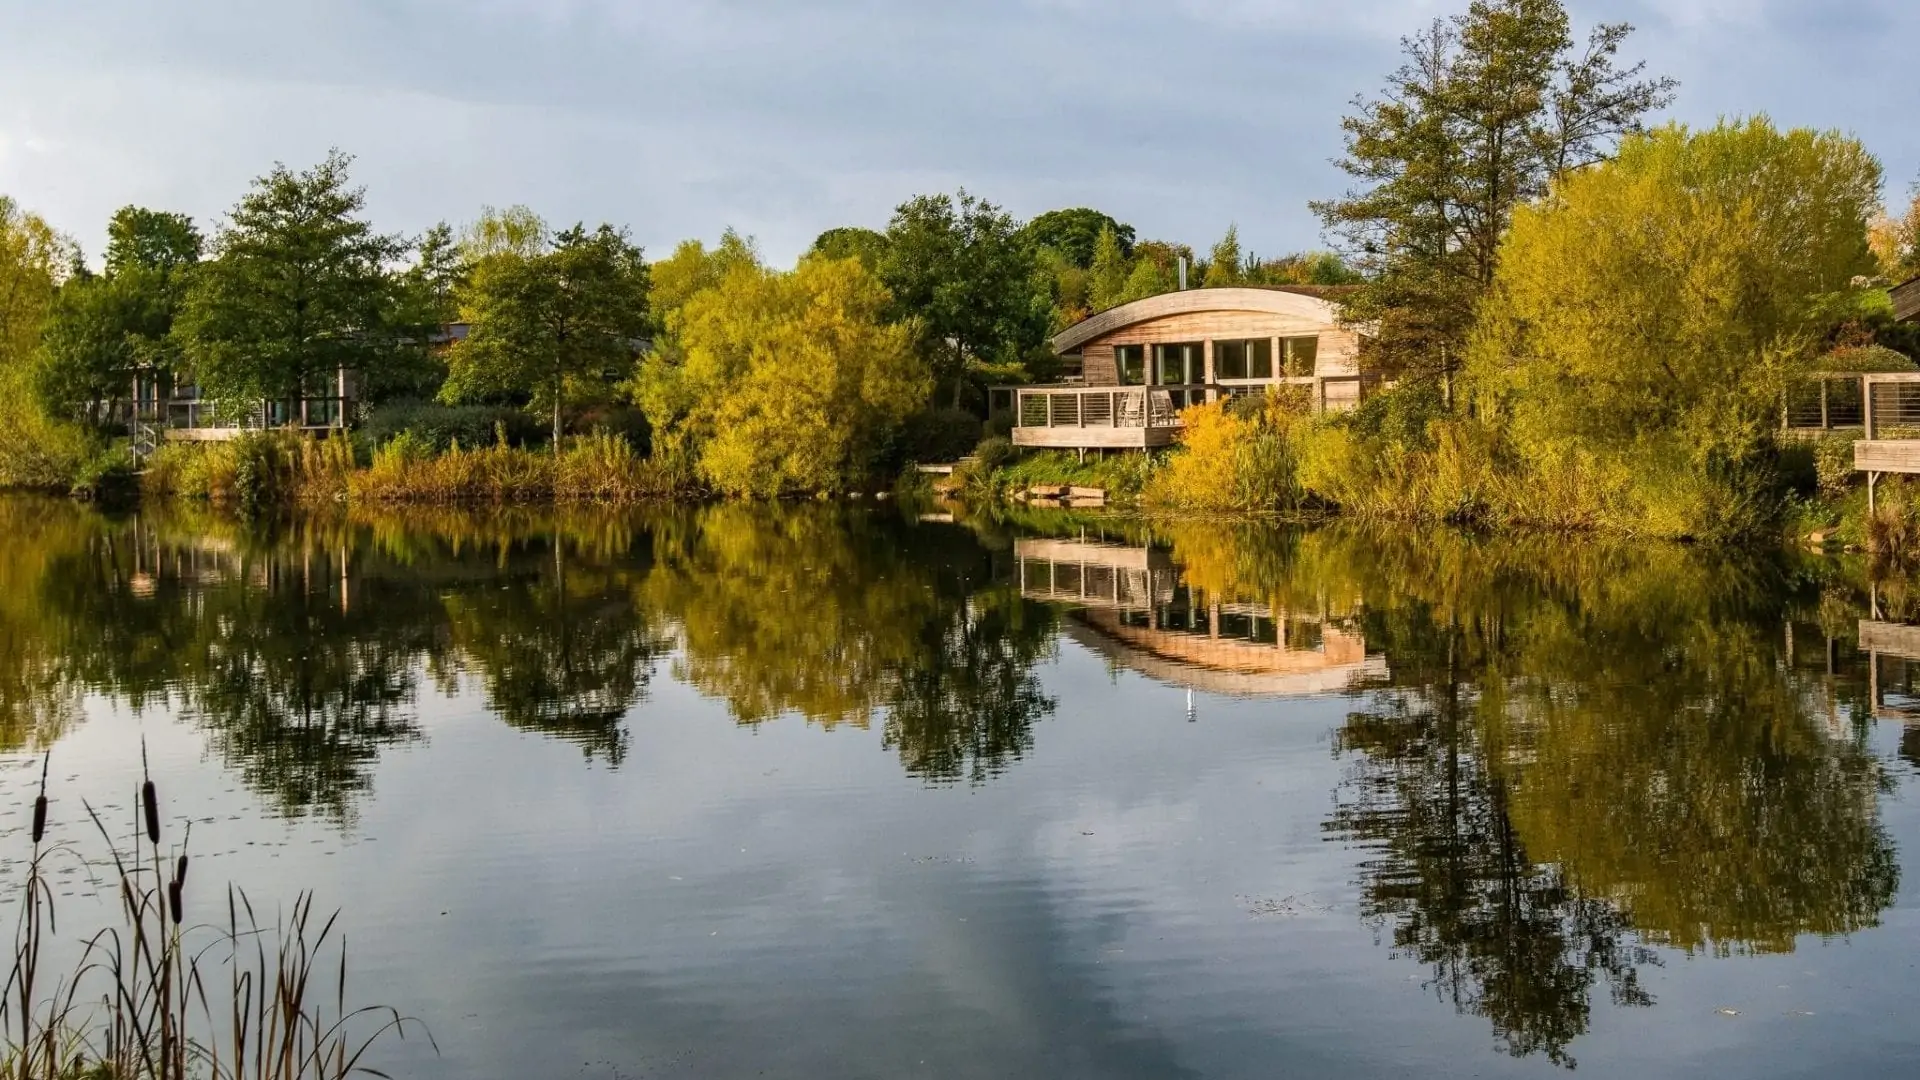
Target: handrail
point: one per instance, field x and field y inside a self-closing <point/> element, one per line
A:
<point x="1107" y="406"/>
<point x="1892" y="405"/>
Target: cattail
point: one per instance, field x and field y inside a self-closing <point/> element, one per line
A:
<point x="151" y="801"/>
<point x="40" y="801"/>
<point x="180" y="875"/>
<point x="173" y="901"/>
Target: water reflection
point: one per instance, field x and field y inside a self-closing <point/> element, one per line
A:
<point x="1563" y="764"/>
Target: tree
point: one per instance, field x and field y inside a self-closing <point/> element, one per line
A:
<point x="852" y="242"/>
<point x="1224" y="261"/>
<point x="1076" y="234"/>
<point x="1490" y="107"/>
<point x="961" y="266"/>
<point x="1107" y="276"/>
<point x="156" y="240"/>
<point x="772" y="383"/>
<point x="35" y="449"/>
<point x="299" y="289"/>
<point x="105" y="327"/>
<point x="1670" y="295"/>
<point x="556" y="326"/>
<point x="1896" y="241"/>
<point x="693" y="267"/>
<point x="1156" y="269"/>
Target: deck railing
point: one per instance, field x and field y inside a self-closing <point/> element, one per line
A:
<point x="1825" y="403"/>
<point x="1893" y="405"/>
<point x="1106" y="406"/>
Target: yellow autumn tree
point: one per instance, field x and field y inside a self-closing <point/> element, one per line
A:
<point x="772" y="383"/>
<point x="1654" y="307"/>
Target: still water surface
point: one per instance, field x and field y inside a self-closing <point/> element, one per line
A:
<point x="818" y="791"/>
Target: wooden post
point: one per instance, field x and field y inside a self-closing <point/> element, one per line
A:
<point x="1824" y="424"/>
<point x="1866" y="408"/>
<point x="1049" y="410"/>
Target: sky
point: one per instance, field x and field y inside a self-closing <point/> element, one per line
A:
<point x="782" y="118"/>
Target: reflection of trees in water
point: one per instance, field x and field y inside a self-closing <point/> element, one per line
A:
<point x="838" y="615"/>
<point x="566" y="654"/>
<point x="1449" y="878"/>
<point x="1592" y="754"/>
<point x="301" y="651"/>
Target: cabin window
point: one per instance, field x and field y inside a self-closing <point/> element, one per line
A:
<point x="1301" y="355"/>
<point x="1243" y="359"/>
<point x="1178" y="365"/>
<point x="1130" y="361"/>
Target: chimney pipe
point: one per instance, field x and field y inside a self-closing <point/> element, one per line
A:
<point x="1183" y="273"/>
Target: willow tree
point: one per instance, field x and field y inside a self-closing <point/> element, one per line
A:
<point x="772" y="383"/>
<point x="1657" y="305"/>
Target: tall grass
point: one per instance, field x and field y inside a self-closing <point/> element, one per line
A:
<point x="263" y="469"/>
<point x="601" y="467"/>
<point x="145" y="1000"/>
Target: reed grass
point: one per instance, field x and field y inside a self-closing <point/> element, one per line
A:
<point x="141" y="1002"/>
<point x="589" y="468"/>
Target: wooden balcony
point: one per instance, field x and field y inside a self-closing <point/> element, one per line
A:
<point x="1105" y="417"/>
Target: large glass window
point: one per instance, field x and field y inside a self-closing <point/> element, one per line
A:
<point x="1175" y="365"/>
<point x="1131" y="363"/>
<point x="1251" y="359"/>
<point x="1302" y="353"/>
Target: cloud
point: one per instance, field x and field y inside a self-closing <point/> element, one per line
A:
<point x="785" y="119"/>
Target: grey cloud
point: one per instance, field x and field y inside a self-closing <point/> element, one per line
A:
<point x="784" y="119"/>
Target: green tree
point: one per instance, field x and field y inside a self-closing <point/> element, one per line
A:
<point x="961" y="267"/>
<point x="1224" y="262"/>
<point x="852" y="242"/>
<point x="1107" y="276"/>
<point x="103" y="328"/>
<point x="1658" y="305"/>
<point x="1076" y="234"/>
<point x="1490" y="107"/>
<point x="557" y="326"/>
<point x="299" y="288"/>
<point x="142" y="239"/>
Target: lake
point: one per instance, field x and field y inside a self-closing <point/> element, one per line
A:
<point x="832" y="790"/>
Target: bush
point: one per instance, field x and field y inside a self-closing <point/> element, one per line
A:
<point x="1833" y="466"/>
<point x="1233" y="456"/>
<point x="992" y="453"/>
<point x="940" y="435"/>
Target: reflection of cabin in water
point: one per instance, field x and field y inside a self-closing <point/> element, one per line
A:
<point x="1893" y="678"/>
<point x="1131" y="606"/>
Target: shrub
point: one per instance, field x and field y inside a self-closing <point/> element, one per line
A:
<point x="1833" y="465"/>
<point x="1233" y="456"/>
<point x="939" y="435"/>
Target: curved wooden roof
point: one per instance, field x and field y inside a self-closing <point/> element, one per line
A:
<point x="1181" y="303"/>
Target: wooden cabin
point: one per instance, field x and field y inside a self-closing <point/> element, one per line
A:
<point x="1906" y="300"/>
<point x="1141" y="363"/>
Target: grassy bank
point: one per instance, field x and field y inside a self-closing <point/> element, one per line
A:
<point x="263" y="469"/>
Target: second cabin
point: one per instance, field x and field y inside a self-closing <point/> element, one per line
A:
<point x="1141" y="363"/>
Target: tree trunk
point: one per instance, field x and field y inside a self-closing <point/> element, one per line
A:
<point x="556" y="415"/>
